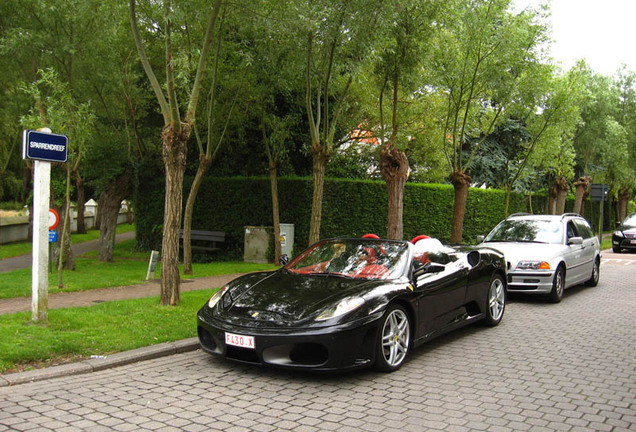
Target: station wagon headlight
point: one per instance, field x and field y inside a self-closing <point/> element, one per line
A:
<point x="346" y="305"/>
<point x="618" y="233"/>
<point x="533" y="265"/>
<point x="216" y="297"/>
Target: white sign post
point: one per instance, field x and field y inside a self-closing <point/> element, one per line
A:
<point x="43" y="147"/>
<point x="40" y="274"/>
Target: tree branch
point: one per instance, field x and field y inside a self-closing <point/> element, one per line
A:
<point x="203" y="59"/>
<point x="163" y="103"/>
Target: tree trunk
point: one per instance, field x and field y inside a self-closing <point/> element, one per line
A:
<point x="320" y="163"/>
<point x="174" y="159"/>
<point x="62" y="251"/>
<point x="108" y="227"/>
<point x="586" y="193"/>
<point x="394" y="167"/>
<point x="81" y="200"/>
<point x="273" y="179"/>
<point x="581" y="186"/>
<point x="623" y="198"/>
<point x="562" y="188"/>
<point x="552" y="198"/>
<point x="98" y="215"/>
<point x="110" y="203"/>
<point x="204" y="164"/>
<point x="461" y="182"/>
<point x="66" y="259"/>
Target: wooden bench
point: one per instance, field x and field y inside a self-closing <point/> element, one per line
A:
<point x="204" y="240"/>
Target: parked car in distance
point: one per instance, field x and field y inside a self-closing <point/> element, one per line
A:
<point x="347" y="303"/>
<point x="547" y="254"/>
<point x="625" y="235"/>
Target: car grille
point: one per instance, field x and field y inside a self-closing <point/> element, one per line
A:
<point x="242" y="354"/>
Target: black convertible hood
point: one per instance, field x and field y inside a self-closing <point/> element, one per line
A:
<point x="285" y="298"/>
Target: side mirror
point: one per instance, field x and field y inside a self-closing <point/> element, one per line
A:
<point x="284" y="260"/>
<point x="575" y="241"/>
<point x="420" y="269"/>
<point x="480" y="238"/>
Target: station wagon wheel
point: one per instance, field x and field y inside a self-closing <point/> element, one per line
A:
<point x="394" y="339"/>
<point x="558" y="285"/>
<point x="596" y="272"/>
<point x="496" y="301"/>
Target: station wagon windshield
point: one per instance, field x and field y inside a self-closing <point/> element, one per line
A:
<point x="536" y="231"/>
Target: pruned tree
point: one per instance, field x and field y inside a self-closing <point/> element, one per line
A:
<point x="407" y="29"/>
<point x="175" y="133"/>
<point x="482" y="51"/>
<point x="208" y="147"/>
<point x="337" y="40"/>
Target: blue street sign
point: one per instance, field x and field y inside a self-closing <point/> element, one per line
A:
<point x="44" y="146"/>
<point x="52" y="236"/>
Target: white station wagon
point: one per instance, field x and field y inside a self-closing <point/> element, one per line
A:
<point x="547" y="254"/>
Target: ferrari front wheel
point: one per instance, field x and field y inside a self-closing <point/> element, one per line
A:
<point x="394" y="339"/>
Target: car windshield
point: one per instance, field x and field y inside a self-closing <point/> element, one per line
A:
<point x="630" y="221"/>
<point x="357" y="258"/>
<point x="526" y="230"/>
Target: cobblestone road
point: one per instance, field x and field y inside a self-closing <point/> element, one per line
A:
<point x="564" y="367"/>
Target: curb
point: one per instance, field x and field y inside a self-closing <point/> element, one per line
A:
<point x="98" y="364"/>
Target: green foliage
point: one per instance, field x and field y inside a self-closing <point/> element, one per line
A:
<point x="351" y="208"/>
<point x="149" y="202"/>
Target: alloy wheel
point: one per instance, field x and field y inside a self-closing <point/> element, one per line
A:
<point x="396" y="337"/>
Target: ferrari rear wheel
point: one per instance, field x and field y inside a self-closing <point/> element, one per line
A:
<point x="496" y="301"/>
<point x="394" y="339"/>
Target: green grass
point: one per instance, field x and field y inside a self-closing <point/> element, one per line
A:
<point x="23" y="248"/>
<point x="606" y="243"/>
<point x="77" y="333"/>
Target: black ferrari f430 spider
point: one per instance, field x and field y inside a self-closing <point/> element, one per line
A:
<point x="347" y="303"/>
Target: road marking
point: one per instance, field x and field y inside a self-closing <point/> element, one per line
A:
<point x="618" y="261"/>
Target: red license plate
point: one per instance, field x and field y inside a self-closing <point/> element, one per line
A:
<point x="239" y="340"/>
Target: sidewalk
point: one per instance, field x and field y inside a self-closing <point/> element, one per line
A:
<point x="24" y="261"/>
<point x="91" y="297"/>
<point x="88" y="298"/>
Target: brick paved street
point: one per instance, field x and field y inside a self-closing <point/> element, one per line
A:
<point x="564" y="367"/>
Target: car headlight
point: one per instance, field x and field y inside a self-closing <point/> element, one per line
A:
<point x="533" y="265"/>
<point x="346" y="305"/>
<point x="216" y="297"/>
<point x="618" y="233"/>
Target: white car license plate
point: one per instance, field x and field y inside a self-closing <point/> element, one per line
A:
<point x="239" y="340"/>
<point x="633" y="242"/>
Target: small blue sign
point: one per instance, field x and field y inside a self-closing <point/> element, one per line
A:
<point x="44" y="146"/>
<point x="52" y="236"/>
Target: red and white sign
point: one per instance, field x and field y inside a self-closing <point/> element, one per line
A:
<point x="54" y="219"/>
<point x="239" y="341"/>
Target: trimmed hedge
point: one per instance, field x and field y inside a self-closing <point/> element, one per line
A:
<point x="350" y="208"/>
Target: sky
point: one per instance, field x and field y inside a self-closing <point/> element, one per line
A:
<point x="603" y="32"/>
